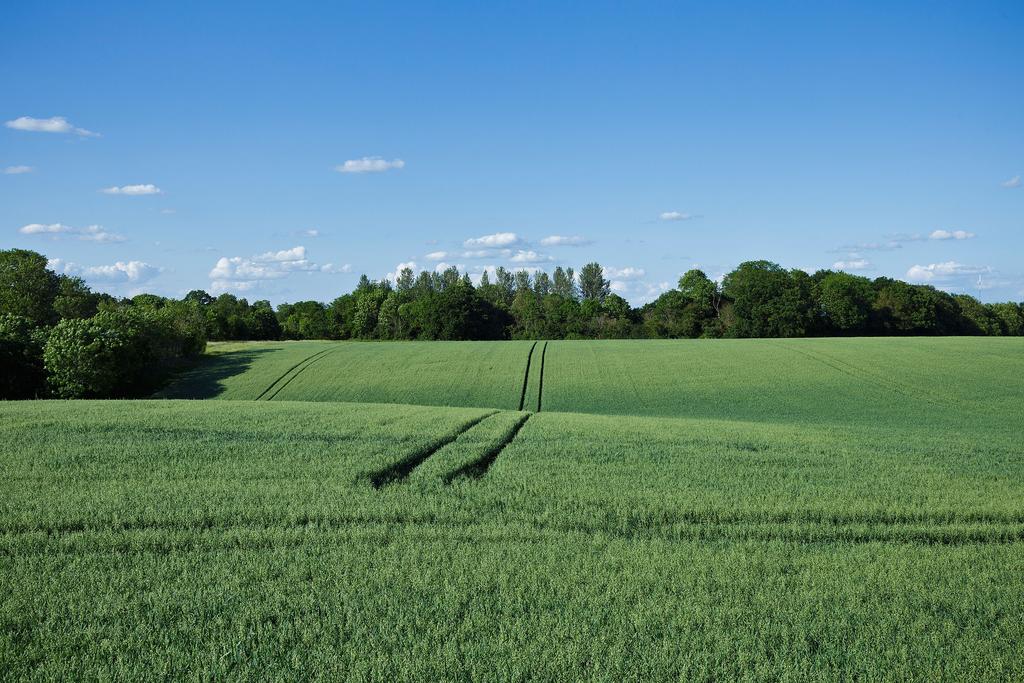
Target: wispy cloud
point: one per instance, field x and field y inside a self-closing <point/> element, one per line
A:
<point x="91" y="233"/>
<point x="133" y="190"/>
<point x="369" y="165"/>
<point x="950" y="235"/>
<point x="565" y="241"/>
<point x="889" y="245"/>
<point x="853" y="264"/>
<point x="17" y="170"/>
<point x="674" y="216"/>
<point x="437" y="256"/>
<point x="54" y="124"/>
<point x="1012" y="182"/>
<point x="498" y="239"/>
<point x="627" y="273"/>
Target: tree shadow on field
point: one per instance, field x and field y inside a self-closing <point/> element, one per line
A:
<point x="205" y="378"/>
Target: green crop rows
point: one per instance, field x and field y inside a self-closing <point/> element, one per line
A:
<point x="786" y="509"/>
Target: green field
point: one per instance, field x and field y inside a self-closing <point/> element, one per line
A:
<point x="795" y="509"/>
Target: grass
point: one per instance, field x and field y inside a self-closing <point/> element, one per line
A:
<point x="870" y="526"/>
<point x="488" y="374"/>
<point x="243" y="370"/>
<point x="866" y="380"/>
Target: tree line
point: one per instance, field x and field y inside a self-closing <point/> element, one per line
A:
<point x="59" y="338"/>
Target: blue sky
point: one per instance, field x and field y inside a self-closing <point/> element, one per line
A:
<point x="166" y="148"/>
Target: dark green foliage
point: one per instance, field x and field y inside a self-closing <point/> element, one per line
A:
<point x="116" y="354"/>
<point x="901" y="308"/>
<point x="74" y="300"/>
<point x="1011" y="318"/>
<point x="304" y="320"/>
<point x="593" y="285"/>
<point x="768" y="301"/>
<point x="27" y="287"/>
<point x="21" y="358"/>
<point x="758" y="299"/>
<point x="843" y="302"/>
<point x="977" y="317"/>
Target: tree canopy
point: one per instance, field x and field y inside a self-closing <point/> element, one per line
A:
<point x="57" y="337"/>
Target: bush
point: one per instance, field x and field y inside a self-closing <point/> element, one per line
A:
<point x="116" y="354"/>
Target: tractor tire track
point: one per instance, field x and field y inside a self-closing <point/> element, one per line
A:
<point x="526" y="376"/>
<point x="401" y="469"/>
<point x="540" y="384"/>
<point x="298" y="369"/>
<point x="862" y="376"/>
<point x="479" y="468"/>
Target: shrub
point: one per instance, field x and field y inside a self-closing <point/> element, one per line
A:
<point x="116" y="354"/>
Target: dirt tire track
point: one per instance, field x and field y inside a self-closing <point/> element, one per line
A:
<point x="526" y="376"/>
<point x="401" y="469"/>
<point x="879" y="382"/>
<point x="299" y="368"/>
<point x="479" y="467"/>
<point x="540" y="384"/>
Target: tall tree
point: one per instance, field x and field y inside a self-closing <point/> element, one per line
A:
<point x="565" y="283"/>
<point x="522" y="280"/>
<point x="27" y="287"/>
<point x="593" y="285"/>
<point x="406" y="280"/>
<point x="542" y="284"/>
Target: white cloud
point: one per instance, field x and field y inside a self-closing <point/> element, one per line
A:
<point x="91" y="233"/>
<point x="312" y="232"/>
<point x="55" y="124"/>
<point x="627" y="273"/>
<point x="293" y="255"/>
<point x="168" y="212"/>
<point x="950" y="235"/>
<point x="124" y="271"/>
<point x="854" y="264"/>
<point x="120" y="272"/>
<point x="1012" y="182"/>
<point x="239" y="274"/>
<point x="529" y="256"/>
<point x="485" y="253"/>
<point x="674" y="216"/>
<point x="944" y="272"/>
<point x="639" y="292"/>
<point x="436" y="256"/>
<point x="565" y="241"/>
<point x="498" y="239"/>
<point x="133" y="190"/>
<point x="17" y="170"/>
<point x="393" y="276"/>
<point x="369" y="165"/>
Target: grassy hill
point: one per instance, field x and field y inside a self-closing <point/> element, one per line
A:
<point x="864" y="380"/>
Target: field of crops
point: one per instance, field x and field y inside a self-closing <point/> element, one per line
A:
<point x="866" y="380"/>
<point x="858" y="514"/>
